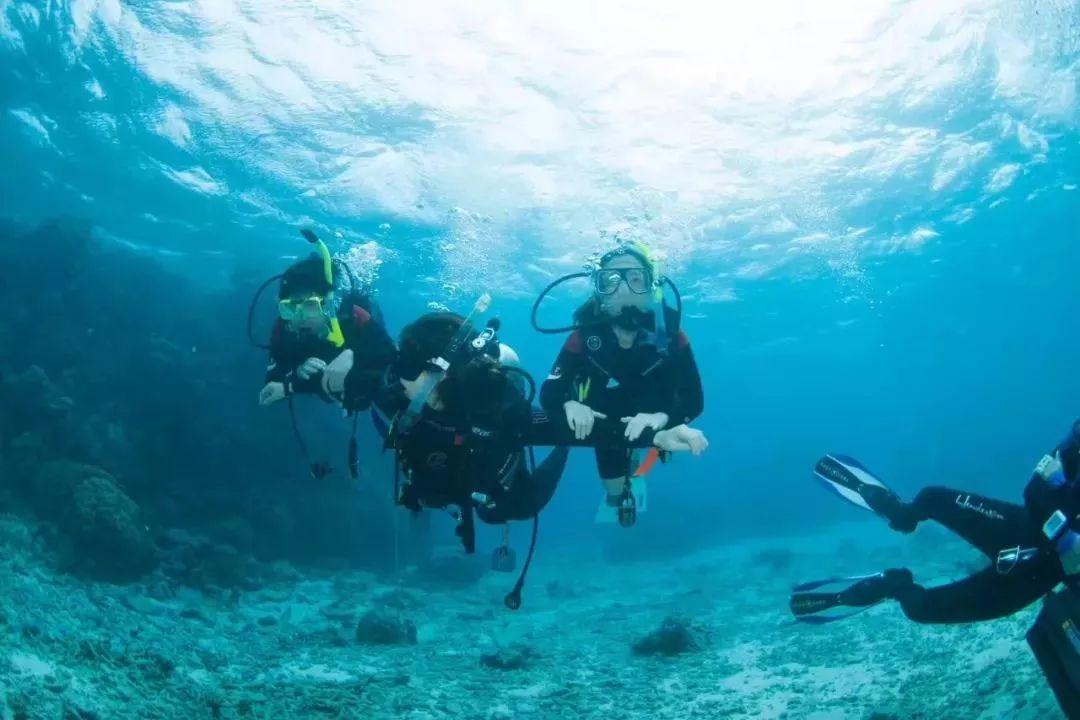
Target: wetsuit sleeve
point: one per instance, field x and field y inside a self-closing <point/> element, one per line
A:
<point x="559" y="388"/>
<point x="542" y="430"/>
<point x="283" y="364"/>
<point x="688" y="399"/>
<point x="373" y="351"/>
<point x="277" y="369"/>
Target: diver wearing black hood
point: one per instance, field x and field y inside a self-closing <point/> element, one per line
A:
<point x="329" y="338"/>
<point x="621" y="364"/>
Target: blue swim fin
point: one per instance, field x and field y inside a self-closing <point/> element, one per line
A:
<point x="825" y="601"/>
<point x="850" y="479"/>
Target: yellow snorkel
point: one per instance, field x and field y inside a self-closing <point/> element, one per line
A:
<point x="657" y="297"/>
<point x="324" y="252"/>
<point x="335" y="335"/>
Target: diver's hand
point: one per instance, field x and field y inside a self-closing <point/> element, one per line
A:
<point x="681" y="438"/>
<point x="310" y="368"/>
<point x="271" y="393"/>
<point x="581" y="418"/>
<point x="333" y="379"/>
<point x="636" y="425"/>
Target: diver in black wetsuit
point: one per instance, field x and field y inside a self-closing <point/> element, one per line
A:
<point x="329" y="338"/>
<point x="459" y="420"/>
<point x="1032" y="547"/>
<point x="626" y="359"/>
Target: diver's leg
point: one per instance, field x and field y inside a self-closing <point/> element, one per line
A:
<point x="613" y="464"/>
<point x="529" y="493"/>
<point x="986" y="595"/>
<point x="545" y="479"/>
<point x="988" y="524"/>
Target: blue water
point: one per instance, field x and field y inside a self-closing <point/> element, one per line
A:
<point x="871" y="207"/>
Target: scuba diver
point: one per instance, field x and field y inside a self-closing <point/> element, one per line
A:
<point x="626" y="359"/>
<point x="328" y="340"/>
<point x="458" y="415"/>
<point x="1031" y="548"/>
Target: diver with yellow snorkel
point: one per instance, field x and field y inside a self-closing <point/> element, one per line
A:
<point x="328" y="339"/>
<point x="627" y="360"/>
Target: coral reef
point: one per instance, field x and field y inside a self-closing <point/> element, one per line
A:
<point x="127" y="408"/>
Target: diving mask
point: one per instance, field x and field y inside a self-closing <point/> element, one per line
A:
<point x="299" y="309"/>
<point x="607" y="281"/>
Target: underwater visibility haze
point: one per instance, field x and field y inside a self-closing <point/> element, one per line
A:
<point x="867" y="208"/>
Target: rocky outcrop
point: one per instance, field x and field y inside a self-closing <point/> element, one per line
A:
<point x="379" y="627"/>
<point x="103" y="524"/>
<point x="674" y="637"/>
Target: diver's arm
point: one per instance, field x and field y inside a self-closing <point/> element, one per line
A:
<point x="688" y="398"/>
<point x="559" y="388"/>
<point x="284" y="362"/>
<point x="374" y="351"/>
<point x="542" y="431"/>
<point x="277" y="370"/>
<point x="281" y="380"/>
<point x="565" y="393"/>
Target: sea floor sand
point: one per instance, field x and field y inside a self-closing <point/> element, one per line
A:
<point x="75" y="650"/>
